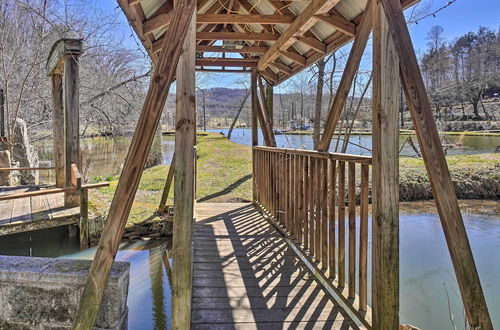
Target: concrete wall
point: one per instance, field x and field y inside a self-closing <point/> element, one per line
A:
<point x="43" y="293"/>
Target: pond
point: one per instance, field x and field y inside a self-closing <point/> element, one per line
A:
<point x="362" y="144"/>
<point x="429" y="293"/>
<point x="104" y="156"/>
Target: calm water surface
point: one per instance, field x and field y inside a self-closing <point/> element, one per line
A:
<point x="427" y="277"/>
<point x="104" y="156"/>
<point x="362" y="144"/>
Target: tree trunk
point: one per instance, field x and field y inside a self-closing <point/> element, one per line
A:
<point x="242" y="105"/>
<point x="319" y="102"/>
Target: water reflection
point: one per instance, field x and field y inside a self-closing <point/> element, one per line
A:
<point x="104" y="156"/>
<point x="362" y="144"/>
<point x="427" y="280"/>
<point x="149" y="295"/>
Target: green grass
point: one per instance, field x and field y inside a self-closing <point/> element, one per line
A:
<point x="224" y="175"/>
<point x="225" y="168"/>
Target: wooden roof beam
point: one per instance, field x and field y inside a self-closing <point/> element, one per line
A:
<point x="230" y="62"/>
<point x="281" y="67"/>
<point x="299" y="26"/>
<point x="202" y="69"/>
<point x="221" y="49"/>
<point x="236" y="36"/>
<point x="162" y="20"/>
<point x="297" y="58"/>
<point x="244" y="19"/>
<point x="339" y="23"/>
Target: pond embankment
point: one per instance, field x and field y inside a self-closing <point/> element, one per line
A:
<point x="225" y="173"/>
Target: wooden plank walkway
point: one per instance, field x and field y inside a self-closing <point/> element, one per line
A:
<point x="246" y="276"/>
<point x="32" y="213"/>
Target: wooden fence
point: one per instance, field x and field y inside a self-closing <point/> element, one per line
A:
<point x="316" y="198"/>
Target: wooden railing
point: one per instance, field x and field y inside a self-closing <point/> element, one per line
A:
<point x="320" y="200"/>
<point x="76" y="185"/>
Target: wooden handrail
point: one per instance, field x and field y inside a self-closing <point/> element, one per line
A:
<point x="26" y="168"/>
<point x="320" y="154"/>
<point x="52" y="191"/>
<point x="313" y="197"/>
<point x="36" y="193"/>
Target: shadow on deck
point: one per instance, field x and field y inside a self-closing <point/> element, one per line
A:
<point x="246" y="276"/>
<point x="35" y="212"/>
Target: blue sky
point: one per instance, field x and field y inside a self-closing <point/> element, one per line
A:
<point x="459" y="18"/>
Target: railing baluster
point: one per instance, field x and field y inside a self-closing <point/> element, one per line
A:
<point x="331" y="241"/>
<point x="324" y="213"/>
<point x="306" y="202"/>
<point x="341" y="224"/>
<point x="363" y="238"/>
<point x="352" y="229"/>
<point x="307" y="193"/>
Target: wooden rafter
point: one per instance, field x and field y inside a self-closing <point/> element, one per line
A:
<point x="231" y="62"/>
<point x="221" y="49"/>
<point x="338" y="22"/>
<point x="300" y="25"/>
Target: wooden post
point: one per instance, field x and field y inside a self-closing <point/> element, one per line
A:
<point x="168" y="184"/>
<point x="358" y="47"/>
<point x="71" y="124"/>
<point x="184" y="195"/>
<point x="437" y="169"/>
<point x="255" y="131"/>
<point x="255" y="100"/>
<point x="385" y="176"/>
<point x="84" y="219"/>
<point x="134" y="164"/>
<point x="58" y="128"/>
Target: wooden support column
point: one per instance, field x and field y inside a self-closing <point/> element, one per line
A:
<point x="255" y="130"/>
<point x="134" y="164"/>
<point x="437" y="169"/>
<point x="184" y="184"/>
<point x="358" y="47"/>
<point x="58" y="128"/>
<point x="385" y="176"/>
<point x="255" y="100"/>
<point x="71" y="124"/>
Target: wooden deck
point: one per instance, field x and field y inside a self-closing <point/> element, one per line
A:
<point x="32" y="213"/>
<point x="247" y="277"/>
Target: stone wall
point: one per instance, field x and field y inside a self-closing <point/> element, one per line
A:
<point x="43" y="293"/>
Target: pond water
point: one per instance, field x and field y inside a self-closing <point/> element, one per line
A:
<point x="104" y="156"/>
<point x="362" y="144"/>
<point x="427" y="284"/>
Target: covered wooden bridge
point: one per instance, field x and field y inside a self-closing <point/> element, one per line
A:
<point x="314" y="239"/>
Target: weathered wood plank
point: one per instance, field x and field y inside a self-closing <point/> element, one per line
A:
<point x="244" y="282"/>
<point x="437" y="169"/>
<point x="385" y="176"/>
<point x="134" y="164"/>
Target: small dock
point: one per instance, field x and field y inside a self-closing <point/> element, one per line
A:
<point x="247" y="277"/>
<point x="35" y="212"/>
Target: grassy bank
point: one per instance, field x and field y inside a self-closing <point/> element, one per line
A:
<point x="224" y="175"/>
